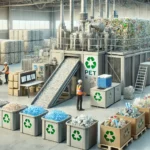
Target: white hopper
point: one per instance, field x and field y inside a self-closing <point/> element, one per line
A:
<point x="16" y="43"/>
<point x="37" y="33"/>
<point x="5" y="58"/>
<point x="16" y="34"/>
<point x="21" y="34"/>
<point x="16" y="57"/>
<point x="12" y="58"/>
<point x="5" y="47"/>
<point x="27" y="35"/>
<point x="11" y="34"/>
<point x="41" y="36"/>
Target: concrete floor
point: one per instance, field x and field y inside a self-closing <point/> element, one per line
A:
<point x="15" y="140"/>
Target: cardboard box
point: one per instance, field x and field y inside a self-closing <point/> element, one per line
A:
<point x="32" y="89"/>
<point x="147" y="114"/>
<point x="11" y="77"/>
<point x="11" y="92"/>
<point x="115" y="137"/>
<point x="16" y="92"/>
<point x="16" y="78"/>
<point x="137" y="124"/>
<point x="18" y="72"/>
<point x="11" y="84"/>
<point x="16" y="85"/>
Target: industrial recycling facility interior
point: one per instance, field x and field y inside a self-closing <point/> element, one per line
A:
<point x="74" y="74"/>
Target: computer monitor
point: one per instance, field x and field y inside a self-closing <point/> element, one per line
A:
<point x="29" y="77"/>
<point x="33" y="76"/>
<point x="23" y="79"/>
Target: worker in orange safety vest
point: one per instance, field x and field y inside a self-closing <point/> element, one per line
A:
<point x="6" y="72"/>
<point x="80" y="93"/>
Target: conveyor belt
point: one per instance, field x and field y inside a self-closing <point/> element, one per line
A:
<point x="57" y="82"/>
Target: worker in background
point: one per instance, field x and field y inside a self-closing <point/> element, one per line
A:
<point x="80" y="93"/>
<point x="6" y="72"/>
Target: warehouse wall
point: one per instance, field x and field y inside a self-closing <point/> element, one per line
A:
<point x="3" y="17"/>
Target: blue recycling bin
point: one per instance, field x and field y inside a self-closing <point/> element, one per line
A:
<point x="104" y="81"/>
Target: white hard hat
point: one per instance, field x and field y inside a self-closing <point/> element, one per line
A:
<point x="79" y="81"/>
<point x="5" y="63"/>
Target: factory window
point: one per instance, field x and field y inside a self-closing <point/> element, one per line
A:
<point x="3" y="25"/>
<point x="67" y="24"/>
<point x="21" y="24"/>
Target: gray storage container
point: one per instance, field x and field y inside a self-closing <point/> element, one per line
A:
<point x="1" y="120"/>
<point x="11" y="119"/>
<point x="82" y="137"/>
<point x="53" y="130"/>
<point x="102" y="97"/>
<point x="117" y="87"/>
<point x="31" y="125"/>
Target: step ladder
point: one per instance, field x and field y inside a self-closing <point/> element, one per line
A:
<point x="141" y="79"/>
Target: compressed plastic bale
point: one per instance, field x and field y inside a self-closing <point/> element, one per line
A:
<point x="37" y="33"/>
<point x="41" y="35"/>
<point x="27" y="47"/>
<point x="22" y="55"/>
<point x="12" y="58"/>
<point x="12" y="46"/>
<point x="16" y="45"/>
<point x="16" y="57"/>
<point x="129" y="93"/>
<point x="46" y="43"/>
<point x="16" y="34"/>
<point x="5" y="47"/>
<point x="41" y="43"/>
<point x="5" y="58"/>
<point x="36" y="43"/>
<point x="21" y="34"/>
<point x="27" y="35"/>
<point x="11" y="34"/>
<point x="33" y="35"/>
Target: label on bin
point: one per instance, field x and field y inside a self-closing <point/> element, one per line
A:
<point x="97" y="96"/>
<point x="76" y="135"/>
<point x="27" y="123"/>
<point x="50" y="129"/>
<point x="109" y="136"/>
<point x="6" y="118"/>
<point x="141" y="122"/>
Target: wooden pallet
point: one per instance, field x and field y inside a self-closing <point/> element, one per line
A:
<point x="135" y="137"/>
<point x="107" y="147"/>
<point x="147" y="126"/>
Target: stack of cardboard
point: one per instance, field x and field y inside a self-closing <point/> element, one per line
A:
<point x="13" y="84"/>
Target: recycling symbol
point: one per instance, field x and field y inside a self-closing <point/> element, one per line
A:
<point x="76" y="135"/>
<point x="50" y="129"/>
<point x="109" y="136"/>
<point x="90" y="63"/>
<point x="126" y="132"/>
<point x="27" y="123"/>
<point x="97" y="96"/>
<point x="140" y="124"/>
<point x="6" y="118"/>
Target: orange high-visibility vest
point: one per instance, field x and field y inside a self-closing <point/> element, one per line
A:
<point x="6" y="68"/>
<point x="78" y="90"/>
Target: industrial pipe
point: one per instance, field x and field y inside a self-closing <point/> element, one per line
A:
<point x="72" y="14"/>
<point x="101" y="8"/>
<point x="92" y="8"/>
<point x="107" y="3"/>
<point x="83" y="6"/>
<point x="61" y="22"/>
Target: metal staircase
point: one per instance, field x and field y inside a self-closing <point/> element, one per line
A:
<point x="141" y="79"/>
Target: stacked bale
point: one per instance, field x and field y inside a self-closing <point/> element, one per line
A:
<point x="31" y="38"/>
<point x="11" y="51"/>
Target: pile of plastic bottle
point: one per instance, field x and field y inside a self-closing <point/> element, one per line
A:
<point x="12" y="107"/>
<point x="34" y="110"/>
<point x="2" y="102"/>
<point x="82" y="120"/>
<point x="142" y="103"/>
<point x="115" y="122"/>
<point x="129" y="111"/>
<point x="56" y="115"/>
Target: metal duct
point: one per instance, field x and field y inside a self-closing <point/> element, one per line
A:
<point x="83" y="6"/>
<point x="92" y="8"/>
<point x="61" y="22"/>
<point x="72" y="14"/>
<point x="101" y="8"/>
<point x="107" y="3"/>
